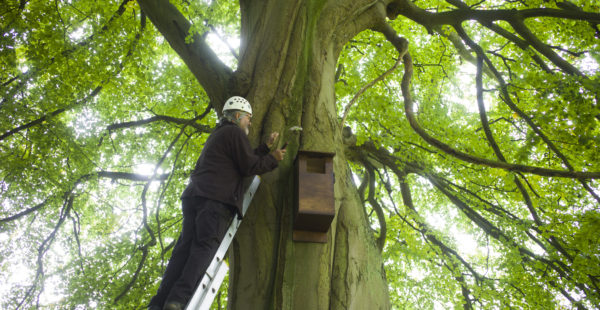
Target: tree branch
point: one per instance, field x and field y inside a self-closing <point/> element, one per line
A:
<point x="24" y="212"/>
<point x="147" y="227"/>
<point x="520" y="27"/>
<point x="487" y="17"/>
<point x="408" y="9"/>
<point x="364" y="88"/>
<point x="170" y="119"/>
<point x="458" y="44"/>
<point x="490" y="138"/>
<point x="45" y="246"/>
<point x="376" y="206"/>
<point x="408" y="107"/>
<point x="64" y="54"/>
<point x="231" y="49"/>
<point x="447" y="251"/>
<point x="136" y="274"/>
<point x="513" y="107"/>
<point x="559" y="267"/>
<point x="213" y="75"/>
<point x="76" y="231"/>
<point x="87" y="98"/>
<point x="115" y="175"/>
<point x="393" y="163"/>
<point x="157" y="214"/>
<point x="51" y="114"/>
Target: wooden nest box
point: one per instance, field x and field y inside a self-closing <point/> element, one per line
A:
<point x="314" y="199"/>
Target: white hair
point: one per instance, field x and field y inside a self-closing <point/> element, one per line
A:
<point x="230" y="115"/>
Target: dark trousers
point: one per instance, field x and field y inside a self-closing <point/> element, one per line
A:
<point x="205" y="223"/>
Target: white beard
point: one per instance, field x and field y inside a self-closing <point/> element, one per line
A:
<point x="247" y="130"/>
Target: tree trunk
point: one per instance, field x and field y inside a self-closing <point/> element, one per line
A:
<point x="286" y="70"/>
<point x="288" y="61"/>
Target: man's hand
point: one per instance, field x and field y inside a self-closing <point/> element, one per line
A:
<point x="272" y="139"/>
<point x="278" y="154"/>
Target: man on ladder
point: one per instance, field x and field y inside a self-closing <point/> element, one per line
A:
<point x="212" y="197"/>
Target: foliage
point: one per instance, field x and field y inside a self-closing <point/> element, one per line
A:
<point x="101" y="122"/>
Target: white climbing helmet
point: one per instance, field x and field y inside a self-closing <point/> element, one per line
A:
<point x="237" y="103"/>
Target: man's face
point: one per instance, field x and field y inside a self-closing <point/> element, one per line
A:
<point x="245" y="121"/>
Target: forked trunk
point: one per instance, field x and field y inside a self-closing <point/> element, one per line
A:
<point x="287" y="68"/>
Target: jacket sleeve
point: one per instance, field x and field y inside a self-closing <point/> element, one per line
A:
<point x="248" y="162"/>
<point x="262" y="149"/>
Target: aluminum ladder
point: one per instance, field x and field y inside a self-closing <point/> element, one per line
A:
<point x="216" y="271"/>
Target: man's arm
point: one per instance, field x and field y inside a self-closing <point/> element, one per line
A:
<point x="262" y="149"/>
<point x="250" y="162"/>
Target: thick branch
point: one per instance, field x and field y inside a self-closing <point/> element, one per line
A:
<point x="409" y="9"/>
<point x="400" y="43"/>
<point x="459" y="45"/>
<point x="231" y="49"/>
<point x="162" y="194"/>
<point x="488" y="133"/>
<point x="385" y="158"/>
<point x="136" y="274"/>
<point x="559" y="267"/>
<point x="487" y="17"/>
<point x="76" y="231"/>
<point x="523" y="44"/>
<point x="208" y="69"/>
<point x="519" y="26"/>
<point x="401" y="168"/>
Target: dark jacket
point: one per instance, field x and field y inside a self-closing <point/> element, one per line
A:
<point x="226" y="159"/>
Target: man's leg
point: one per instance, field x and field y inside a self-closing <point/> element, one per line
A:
<point x="212" y="221"/>
<point x="180" y="253"/>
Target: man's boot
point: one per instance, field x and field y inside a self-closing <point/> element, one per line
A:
<point x="173" y="305"/>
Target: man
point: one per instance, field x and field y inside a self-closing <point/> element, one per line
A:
<point x="212" y="197"/>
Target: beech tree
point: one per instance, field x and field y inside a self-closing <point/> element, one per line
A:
<point x="465" y="136"/>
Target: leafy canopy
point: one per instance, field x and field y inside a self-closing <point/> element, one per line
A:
<point x="479" y="175"/>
